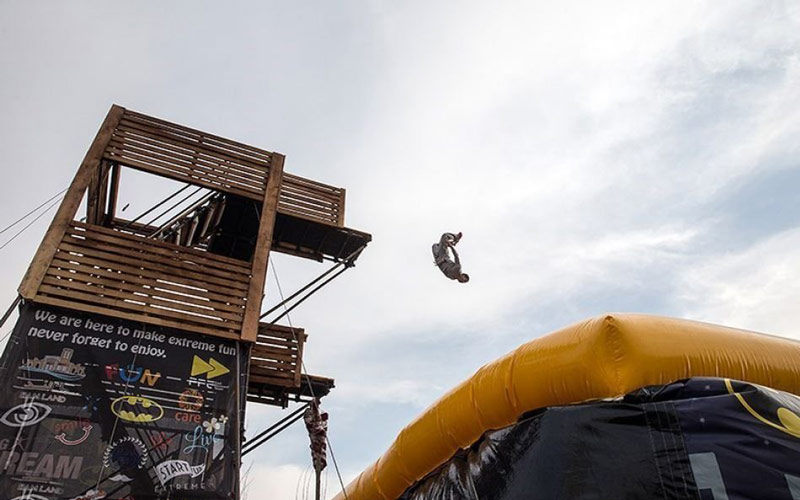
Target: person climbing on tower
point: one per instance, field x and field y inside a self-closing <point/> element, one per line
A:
<point x="451" y="267"/>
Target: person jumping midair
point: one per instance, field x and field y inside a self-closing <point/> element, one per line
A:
<point x="451" y="267"/>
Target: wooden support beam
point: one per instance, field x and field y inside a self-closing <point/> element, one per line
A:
<point x="92" y="197"/>
<point x="104" y="172"/>
<point x="111" y="210"/>
<point x="340" y="213"/>
<point x="69" y="206"/>
<point x="263" y="244"/>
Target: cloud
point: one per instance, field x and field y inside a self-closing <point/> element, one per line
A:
<point x="756" y="288"/>
<point x="622" y="156"/>
<point x="282" y="481"/>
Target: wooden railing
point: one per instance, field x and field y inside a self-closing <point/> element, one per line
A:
<point x="184" y="154"/>
<point x="307" y="199"/>
<point x="100" y="270"/>
<point x="276" y="358"/>
<point x="159" y="147"/>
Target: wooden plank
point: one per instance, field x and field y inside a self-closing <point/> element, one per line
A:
<point x="155" y="247"/>
<point x="197" y="254"/>
<point x="322" y="197"/>
<point x="189" y="319"/>
<point x="108" y="311"/>
<point x="267" y="349"/>
<point x="123" y="141"/>
<point x="136" y="228"/>
<point x="102" y="191"/>
<point x="302" y="214"/>
<point x="179" y="175"/>
<point x="276" y="362"/>
<point x="260" y="357"/>
<point x="279" y="330"/>
<point x="88" y="277"/>
<point x="123" y="292"/>
<point x="142" y="257"/>
<point x="204" y="148"/>
<point x="261" y="255"/>
<point x="187" y="167"/>
<point x="184" y="152"/>
<point x="302" y="337"/>
<point x="69" y="206"/>
<point x="111" y="210"/>
<point x="261" y="379"/>
<point x="306" y="198"/>
<point x="318" y="214"/>
<point x="265" y="367"/>
<point x="191" y="135"/>
<point x="91" y="198"/>
<point x="63" y="257"/>
<point x="153" y="283"/>
<point x="266" y="155"/>
<point x="299" y="188"/>
<point x="326" y="210"/>
<point x="340" y="212"/>
<point x="278" y="338"/>
<point x="293" y="178"/>
<point x="168" y="270"/>
<point x="235" y="312"/>
<point x="284" y="342"/>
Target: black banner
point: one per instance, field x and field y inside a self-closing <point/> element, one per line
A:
<point x="100" y="408"/>
<point x="698" y="439"/>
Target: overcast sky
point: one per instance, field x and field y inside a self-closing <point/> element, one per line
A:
<point x="598" y="156"/>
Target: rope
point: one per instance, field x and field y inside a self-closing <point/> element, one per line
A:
<point x="347" y="262"/>
<point x="31" y="222"/>
<point x="8" y="313"/>
<point x="32" y="211"/>
<point x="308" y="380"/>
<point x="176" y="193"/>
<point x="165" y="212"/>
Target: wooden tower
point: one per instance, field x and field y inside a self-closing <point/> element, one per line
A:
<point x="203" y="272"/>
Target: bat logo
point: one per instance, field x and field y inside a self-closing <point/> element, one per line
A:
<point x="136" y="409"/>
<point x="779" y="411"/>
<point x="26" y="414"/>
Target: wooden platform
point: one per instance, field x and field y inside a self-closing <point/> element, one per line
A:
<point x="281" y="396"/>
<point x="143" y="273"/>
<point x="303" y="237"/>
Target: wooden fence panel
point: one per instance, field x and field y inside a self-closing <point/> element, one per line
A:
<point x="101" y="270"/>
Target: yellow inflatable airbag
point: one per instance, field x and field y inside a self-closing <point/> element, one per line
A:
<point x="602" y="357"/>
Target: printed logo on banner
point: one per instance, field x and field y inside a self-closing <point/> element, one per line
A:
<point x="86" y="429"/>
<point x="211" y="369"/>
<point x="30" y="496"/>
<point x="132" y="374"/>
<point x="191" y="400"/>
<point x="60" y="367"/>
<point x="47" y="397"/>
<point x="204" y="372"/>
<point x="197" y="379"/>
<point x="33" y="466"/>
<point x="30" y="488"/>
<point x="210" y="434"/>
<point x="126" y="454"/>
<point x="787" y="420"/>
<point x="137" y="409"/>
<point x="30" y="413"/>
<point x="173" y="468"/>
<point x="91" y="495"/>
